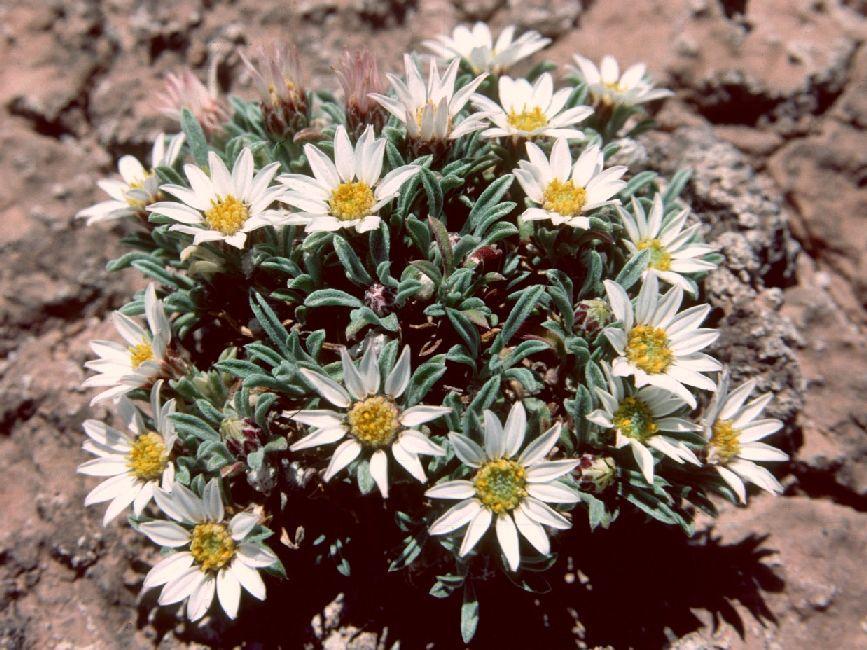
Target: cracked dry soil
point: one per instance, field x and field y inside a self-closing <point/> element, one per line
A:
<point x="770" y="112"/>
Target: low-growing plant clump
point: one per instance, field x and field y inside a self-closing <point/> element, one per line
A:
<point x="437" y="293"/>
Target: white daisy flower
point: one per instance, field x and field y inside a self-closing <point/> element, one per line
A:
<point x="531" y="111"/>
<point x="513" y="489"/>
<point x="223" y="206"/>
<point x="369" y="418"/>
<point x="609" y="87"/>
<point x="640" y="418"/>
<point x="138" y="186"/>
<point x="672" y="252"/>
<point x="348" y="192"/>
<point x="657" y="345"/>
<point x="476" y="46"/>
<point x="209" y="554"/>
<point x="428" y="109"/>
<point x="126" y="367"/>
<point x="734" y="436"/>
<point x="135" y="460"/>
<point x="564" y="192"/>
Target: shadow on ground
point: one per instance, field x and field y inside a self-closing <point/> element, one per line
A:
<point x="637" y="585"/>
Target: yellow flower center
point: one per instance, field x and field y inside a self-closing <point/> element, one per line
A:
<point x="501" y="485"/>
<point x="634" y="419"/>
<point x="148" y="457"/>
<point x="137" y="185"/>
<point x="212" y="546"/>
<point x="613" y="86"/>
<point x="528" y="120"/>
<point x="351" y="200"/>
<point x="227" y="215"/>
<point x="140" y="353"/>
<point x="648" y="348"/>
<point x="725" y="440"/>
<point x="660" y="259"/>
<point x="374" y="421"/>
<point x="564" y="198"/>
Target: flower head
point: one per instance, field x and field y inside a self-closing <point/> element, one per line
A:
<point x="348" y="192"/>
<point x="208" y="553"/>
<point x="184" y="90"/>
<point x="672" y="251"/>
<point x="512" y="487"/>
<point x="223" y="206"/>
<point x="369" y="418"/>
<point x="531" y="111"/>
<point x="135" y="459"/>
<point x="657" y="345"/>
<point x="359" y="77"/>
<point x="643" y="419"/>
<point x="562" y="191"/>
<point x="476" y="46"/>
<point x="429" y="109"/>
<point x="734" y="437"/>
<point x="607" y="86"/>
<point x="278" y="79"/>
<point x="123" y="368"/>
<point x="138" y="186"/>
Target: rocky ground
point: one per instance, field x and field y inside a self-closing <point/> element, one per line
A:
<point x="770" y="112"/>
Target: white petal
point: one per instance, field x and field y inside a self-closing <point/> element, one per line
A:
<point x="495" y="439"/>
<point x="180" y="587"/>
<point x="550" y="470"/>
<point x="415" y="442"/>
<point x="514" y="429"/>
<point x="455" y="517"/>
<point x="351" y="378"/>
<point x="451" y="490"/>
<point x="532" y="532"/>
<point x="761" y="452"/>
<point x="319" y="418"/>
<point x="733" y="481"/>
<point x="466" y="450"/>
<point x="544" y="514"/>
<point x="379" y="471"/>
<point x="165" y="533"/>
<point x="319" y="437"/>
<point x="644" y="459"/>
<point x="249" y="579"/>
<point x="409" y="461"/>
<point x="201" y="598"/>
<point x="328" y="388"/>
<point x="398" y="378"/>
<point x="212" y="500"/>
<point x="507" y="535"/>
<point x="536" y="451"/>
<point x="241" y="525"/>
<point x="228" y="592"/>
<point x="344" y="454"/>
<point x="420" y="414"/>
<point x="255" y="556"/>
<point x="552" y="492"/>
<point x="478" y="526"/>
<point x="167" y="569"/>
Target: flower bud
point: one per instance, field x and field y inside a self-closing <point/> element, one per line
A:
<point x="596" y="473"/>
<point x="184" y="90"/>
<point x="277" y="75"/>
<point x="591" y="316"/>
<point x="379" y="298"/>
<point x="358" y="74"/>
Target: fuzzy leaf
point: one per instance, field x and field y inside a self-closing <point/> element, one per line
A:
<point x="195" y="137"/>
<point x="632" y="270"/>
<point x="332" y="298"/>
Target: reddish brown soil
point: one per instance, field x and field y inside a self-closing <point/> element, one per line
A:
<point x="783" y="81"/>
